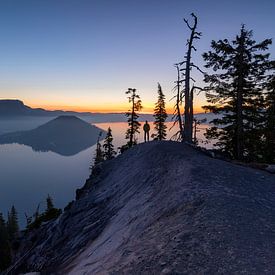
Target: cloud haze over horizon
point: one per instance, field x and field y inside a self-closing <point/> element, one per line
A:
<point x="83" y="55"/>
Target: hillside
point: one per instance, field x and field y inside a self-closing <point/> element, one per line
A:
<point x="161" y="208"/>
<point x="65" y="135"/>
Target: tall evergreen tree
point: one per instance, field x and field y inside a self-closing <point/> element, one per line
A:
<point x="12" y="223"/>
<point x="49" y="202"/>
<point x="160" y="116"/>
<point x="235" y="91"/>
<point x="51" y="211"/>
<point x="99" y="156"/>
<point x="269" y="132"/>
<point x="108" y="146"/>
<point x="5" y="251"/>
<point x="132" y="115"/>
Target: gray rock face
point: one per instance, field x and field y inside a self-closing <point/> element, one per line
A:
<point x="162" y="208"/>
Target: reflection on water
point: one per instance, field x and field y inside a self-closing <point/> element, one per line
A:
<point x="65" y="135"/>
<point x="27" y="177"/>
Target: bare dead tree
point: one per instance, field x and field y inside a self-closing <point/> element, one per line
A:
<point x="187" y="78"/>
<point x="177" y="116"/>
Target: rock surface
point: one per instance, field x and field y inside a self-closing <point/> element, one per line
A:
<point x="162" y="208"/>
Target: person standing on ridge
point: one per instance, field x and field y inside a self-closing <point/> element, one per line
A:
<point x="146" y="129"/>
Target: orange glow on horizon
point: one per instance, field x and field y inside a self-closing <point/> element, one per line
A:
<point x="104" y="109"/>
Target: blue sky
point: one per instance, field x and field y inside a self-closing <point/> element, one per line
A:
<point x="84" y="54"/>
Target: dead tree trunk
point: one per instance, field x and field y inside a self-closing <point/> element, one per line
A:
<point x="177" y="116"/>
<point x="132" y="119"/>
<point x="179" y="101"/>
<point x="188" y="98"/>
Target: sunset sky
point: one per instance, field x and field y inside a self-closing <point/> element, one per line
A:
<point x="84" y="54"/>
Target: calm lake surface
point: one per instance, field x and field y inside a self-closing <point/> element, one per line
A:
<point x="27" y="177"/>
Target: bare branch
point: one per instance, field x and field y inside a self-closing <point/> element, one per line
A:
<point x="187" y="23"/>
<point x="195" y="66"/>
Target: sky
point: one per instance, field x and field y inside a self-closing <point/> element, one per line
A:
<point x="84" y="54"/>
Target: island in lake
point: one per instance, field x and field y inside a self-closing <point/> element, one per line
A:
<point x="66" y="135"/>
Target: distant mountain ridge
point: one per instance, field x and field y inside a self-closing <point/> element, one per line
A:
<point x="65" y="135"/>
<point x="15" y="107"/>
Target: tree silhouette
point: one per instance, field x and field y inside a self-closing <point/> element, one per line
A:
<point x="132" y="115"/>
<point x="50" y="213"/>
<point x="177" y="108"/>
<point x="235" y="90"/>
<point x="188" y="92"/>
<point x="108" y="146"/>
<point x="269" y="132"/>
<point x="98" y="153"/>
<point x="12" y="223"/>
<point x="160" y="116"/>
<point x="5" y="251"/>
<point x="49" y="202"/>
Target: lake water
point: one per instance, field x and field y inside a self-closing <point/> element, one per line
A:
<point x="27" y="177"/>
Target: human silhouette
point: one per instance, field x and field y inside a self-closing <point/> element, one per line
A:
<point x="146" y="129"/>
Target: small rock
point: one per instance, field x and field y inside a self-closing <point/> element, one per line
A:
<point x="166" y="271"/>
<point x="270" y="169"/>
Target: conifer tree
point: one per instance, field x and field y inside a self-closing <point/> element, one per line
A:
<point x="269" y="132"/>
<point x="49" y="202"/>
<point x="160" y="116"/>
<point x="132" y="115"/>
<point x="99" y="157"/>
<point x="51" y="211"/>
<point x="28" y="220"/>
<point x="37" y="215"/>
<point x="5" y="251"/>
<point x="12" y="223"/>
<point x="235" y="90"/>
<point x="108" y="146"/>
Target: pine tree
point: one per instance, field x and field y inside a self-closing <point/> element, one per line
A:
<point x="12" y="223"/>
<point x="51" y="211"/>
<point x="160" y="116"/>
<point x="235" y="91"/>
<point x="132" y="115"/>
<point x="28" y="220"/>
<point x="269" y="132"/>
<point x="108" y="146"/>
<point x="5" y="251"/>
<point x="49" y="202"/>
<point x="99" y="157"/>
